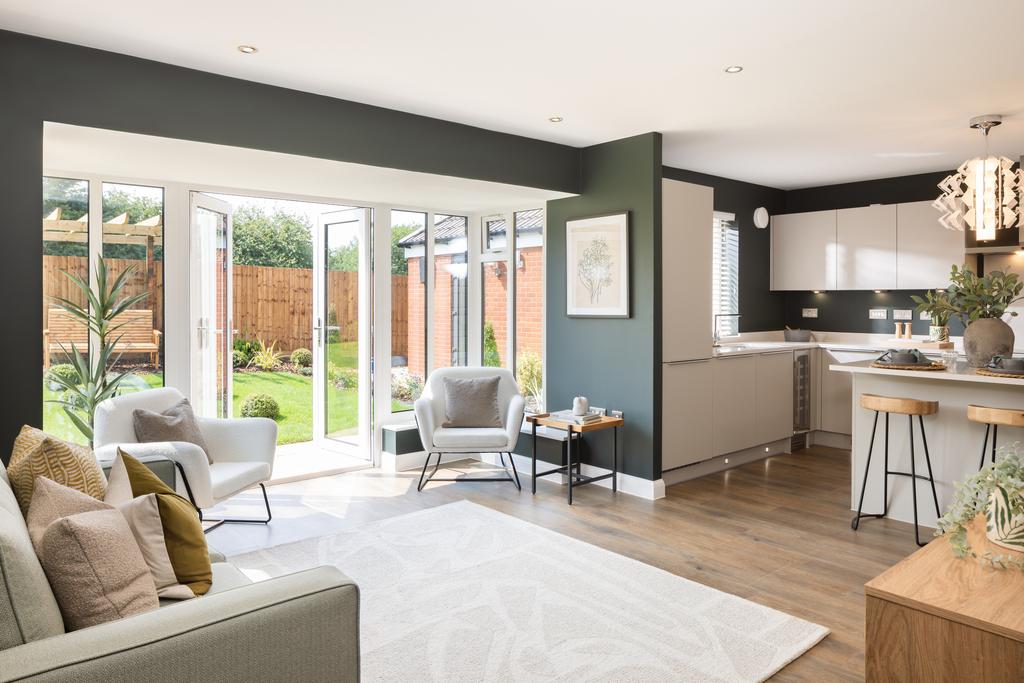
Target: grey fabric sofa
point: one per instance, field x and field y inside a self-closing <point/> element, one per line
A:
<point x="300" y="627"/>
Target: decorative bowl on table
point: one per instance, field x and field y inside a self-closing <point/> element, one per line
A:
<point x="904" y="358"/>
<point x="1008" y="366"/>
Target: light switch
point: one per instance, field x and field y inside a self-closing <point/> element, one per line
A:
<point x="810" y="312"/>
<point x="878" y="314"/>
<point x="902" y="314"/>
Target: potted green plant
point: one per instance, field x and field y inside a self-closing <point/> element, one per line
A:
<point x="981" y="301"/>
<point x="997" y="490"/>
<point x="936" y="305"/>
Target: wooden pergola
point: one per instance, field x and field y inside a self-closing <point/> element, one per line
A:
<point x="117" y="230"/>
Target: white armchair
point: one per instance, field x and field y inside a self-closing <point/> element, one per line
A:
<point x="438" y="440"/>
<point x="241" y="450"/>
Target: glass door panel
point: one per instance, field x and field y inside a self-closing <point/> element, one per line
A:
<point x="210" y="305"/>
<point x="341" y="332"/>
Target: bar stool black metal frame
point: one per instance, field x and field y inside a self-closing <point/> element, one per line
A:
<point x="855" y="523"/>
<point x="984" y="444"/>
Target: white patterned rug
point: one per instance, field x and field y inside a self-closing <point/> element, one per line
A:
<point x="461" y="592"/>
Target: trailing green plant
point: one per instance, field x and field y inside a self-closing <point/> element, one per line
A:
<point x="972" y="296"/>
<point x="302" y="357"/>
<point x="492" y="358"/>
<point x="530" y="371"/>
<point x="935" y="304"/>
<point x="93" y="380"/>
<point x="266" y="358"/>
<point x="1004" y="478"/>
<point x="261" y="405"/>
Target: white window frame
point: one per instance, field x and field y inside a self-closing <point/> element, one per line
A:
<point x="731" y="323"/>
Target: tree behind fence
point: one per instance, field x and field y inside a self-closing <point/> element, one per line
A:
<point x="273" y="304"/>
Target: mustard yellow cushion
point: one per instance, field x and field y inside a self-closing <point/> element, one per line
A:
<point x="37" y="454"/>
<point x="183" y="532"/>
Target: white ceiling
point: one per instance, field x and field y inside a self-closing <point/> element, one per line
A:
<point x="832" y="91"/>
<point x="123" y="156"/>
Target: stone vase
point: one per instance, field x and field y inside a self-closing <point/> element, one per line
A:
<point x="1002" y="526"/>
<point x="985" y="338"/>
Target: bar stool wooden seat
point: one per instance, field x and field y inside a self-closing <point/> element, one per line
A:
<point x="911" y="407"/>
<point x="992" y="418"/>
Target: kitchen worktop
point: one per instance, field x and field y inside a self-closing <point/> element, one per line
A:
<point x="958" y="372"/>
<point x="755" y="347"/>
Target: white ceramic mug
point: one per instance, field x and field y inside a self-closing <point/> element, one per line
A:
<point x="580" y="405"/>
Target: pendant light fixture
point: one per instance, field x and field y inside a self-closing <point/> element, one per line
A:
<point x="983" y="194"/>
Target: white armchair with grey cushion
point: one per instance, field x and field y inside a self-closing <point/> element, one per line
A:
<point x="241" y="451"/>
<point x="499" y="437"/>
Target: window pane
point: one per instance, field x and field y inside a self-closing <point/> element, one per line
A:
<point x="408" y="308"/>
<point x="451" y="305"/>
<point x="725" y="290"/>
<point x="530" y="306"/>
<point x="495" y="237"/>
<point x="65" y="252"/>
<point x="133" y="239"/>
<point x="494" y="288"/>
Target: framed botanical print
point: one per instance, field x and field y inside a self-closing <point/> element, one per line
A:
<point x="597" y="266"/>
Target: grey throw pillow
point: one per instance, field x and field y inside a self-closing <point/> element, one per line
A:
<point x="177" y="423"/>
<point x="472" y="402"/>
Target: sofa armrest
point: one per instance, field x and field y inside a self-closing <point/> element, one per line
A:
<point x="242" y="439"/>
<point x="301" y="627"/>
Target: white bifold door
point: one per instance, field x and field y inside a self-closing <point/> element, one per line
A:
<point x="210" y="305"/>
<point x="342" y="323"/>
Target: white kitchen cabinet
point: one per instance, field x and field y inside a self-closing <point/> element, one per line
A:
<point x="836" y="400"/>
<point x="686" y="232"/>
<point x="774" y="391"/>
<point x="804" y="251"/>
<point x="924" y="249"/>
<point x="734" y="403"/>
<point x="686" y="410"/>
<point x="866" y="247"/>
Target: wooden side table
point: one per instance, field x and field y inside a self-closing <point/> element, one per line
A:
<point x="934" y="617"/>
<point x="575" y="432"/>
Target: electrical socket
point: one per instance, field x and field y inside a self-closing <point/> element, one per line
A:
<point x="924" y="316"/>
<point x="902" y="314"/>
<point x="615" y="413"/>
<point x="810" y="312"/>
<point x="878" y="314"/>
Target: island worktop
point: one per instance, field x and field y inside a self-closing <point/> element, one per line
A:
<point x="954" y="443"/>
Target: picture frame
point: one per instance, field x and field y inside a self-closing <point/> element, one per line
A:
<point x="597" y="266"/>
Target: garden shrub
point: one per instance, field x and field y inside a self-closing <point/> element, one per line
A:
<point x="239" y="359"/>
<point x="266" y="358"/>
<point x="343" y="378"/>
<point x="261" y="405"/>
<point x="246" y="348"/>
<point x="306" y="371"/>
<point x="65" y="371"/>
<point x="302" y="357"/>
<point x="492" y="358"/>
<point x="530" y="371"/>
<point x="405" y="386"/>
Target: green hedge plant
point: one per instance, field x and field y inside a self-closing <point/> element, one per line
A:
<point x="261" y="405"/>
<point x="302" y="358"/>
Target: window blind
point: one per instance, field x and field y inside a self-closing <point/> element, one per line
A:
<point x="725" y="274"/>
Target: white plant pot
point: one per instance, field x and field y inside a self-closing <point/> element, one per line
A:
<point x="1003" y="528"/>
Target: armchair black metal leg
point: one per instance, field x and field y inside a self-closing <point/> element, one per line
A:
<point x="266" y="503"/>
<point x="855" y="522"/>
<point x="426" y="463"/>
<point x="515" y="472"/>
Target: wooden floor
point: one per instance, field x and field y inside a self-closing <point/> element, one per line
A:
<point x="775" y="531"/>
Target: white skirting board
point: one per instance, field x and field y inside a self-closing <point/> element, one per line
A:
<point x="634" y="486"/>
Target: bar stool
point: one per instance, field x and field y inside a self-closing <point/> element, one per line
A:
<point x="900" y="406"/>
<point x="992" y="418"/>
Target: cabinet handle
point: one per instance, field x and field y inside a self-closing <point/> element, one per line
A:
<point x="687" y="362"/>
<point x="775" y="353"/>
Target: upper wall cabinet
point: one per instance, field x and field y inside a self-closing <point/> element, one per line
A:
<point x="866" y="247"/>
<point x="687" y="221"/>
<point x="924" y="249"/>
<point x="804" y="251"/>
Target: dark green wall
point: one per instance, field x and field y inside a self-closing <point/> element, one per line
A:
<point x="43" y="80"/>
<point x="760" y="308"/>
<point x="611" y="361"/>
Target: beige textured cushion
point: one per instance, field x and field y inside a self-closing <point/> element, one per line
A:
<point x="143" y="515"/>
<point x="471" y="402"/>
<point x="91" y="559"/>
<point x="177" y="423"/>
<point x="37" y="454"/>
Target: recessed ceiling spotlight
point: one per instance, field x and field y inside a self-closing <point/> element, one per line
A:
<point x="247" y="49"/>
<point x="555" y="119"/>
<point x="735" y="69"/>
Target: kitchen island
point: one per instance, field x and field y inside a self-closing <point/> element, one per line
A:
<point x="954" y="442"/>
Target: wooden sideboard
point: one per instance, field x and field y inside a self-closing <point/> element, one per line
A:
<point x="934" y="617"/>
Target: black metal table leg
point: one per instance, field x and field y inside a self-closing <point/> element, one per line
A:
<point x="533" y="465"/>
<point x="615" y="459"/>
<point x="568" y="464"/>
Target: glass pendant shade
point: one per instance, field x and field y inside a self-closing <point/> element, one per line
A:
<point x="983" y="195"/>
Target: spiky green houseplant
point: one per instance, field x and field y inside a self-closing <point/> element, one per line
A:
<point x="93" y="380"/>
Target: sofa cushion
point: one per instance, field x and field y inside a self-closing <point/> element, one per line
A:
<point x="183" y="532"/>
<point x="37" y="454"/>
<point x="177" y="423"/>
<point x="470" y="437"/>
<point x="471" y="402"/>
<point x="28" y="610"/>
